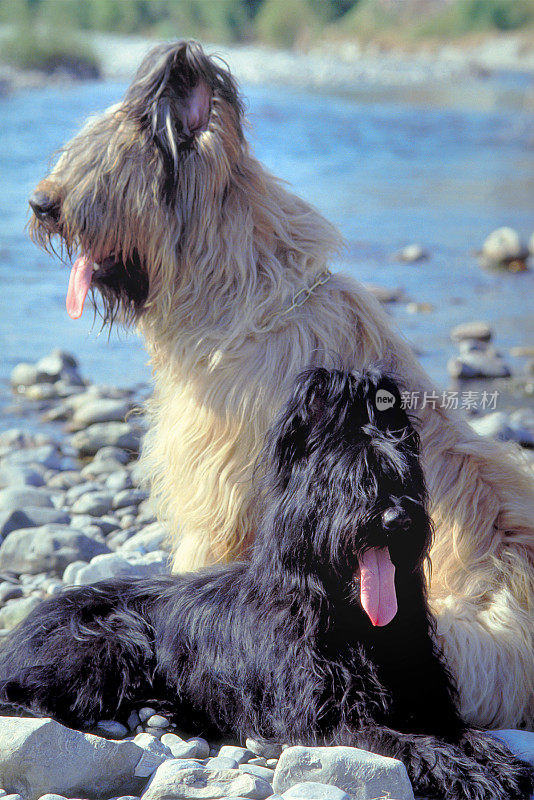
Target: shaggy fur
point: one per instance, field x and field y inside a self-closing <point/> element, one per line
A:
<point x="213" y="259"/>
<point x="280" y="647"/>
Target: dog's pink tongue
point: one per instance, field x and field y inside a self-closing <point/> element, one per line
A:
<point x="377" y="585"/>
<point x="79" y="283"/>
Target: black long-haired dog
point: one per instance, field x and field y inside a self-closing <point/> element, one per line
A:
<point x="324" y="637"/>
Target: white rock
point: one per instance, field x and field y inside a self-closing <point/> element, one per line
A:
<point x="102" y="434"/>
<point x="315" y="791"/>
<point x="503" y="244"/>
<point x="521" y="743"/>
<point x="16" y="610"/>
<point x="476" y="329"/>
<point x="39" y="756"/>
<point x="48" y="548"/>
<point x="262" y="748"/>
<point x="173" y="782"/>
<point x="412" y="253"/>
<point x="360" y="774"/>
<point x="239" y="754"/>
<point x="101" y="410"/>
<point x="113" y="565"/>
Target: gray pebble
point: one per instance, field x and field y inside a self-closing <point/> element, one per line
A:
<point x="260" y="772"/>
<point x="220" y="762"/>
<point x="133" y="720"/>
<point x="264" y="748"/>
<point x="64" y="480"/>
<point x="9" y="591"/>
<point x="129" y="497"/>
<point x="315" y="791"/>
<point x="15" y="611"/>
<point x="146" y="712"/>
<point x="259" y="761"/>
<point x="49" y="547"/>
<point x="239" y="754"/>
<point x="22" y="476"/>
<point x="119" y="481"/>
<point x="111" y="728"/>
<point x="95" y="504"/>
<point x="157" y="721"/>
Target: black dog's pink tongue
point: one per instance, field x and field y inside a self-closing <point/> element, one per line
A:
<point x="81" y="275"/>
<point x="377" y="585"/>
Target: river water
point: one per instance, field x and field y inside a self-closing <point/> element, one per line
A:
<point x="388" y="172"/>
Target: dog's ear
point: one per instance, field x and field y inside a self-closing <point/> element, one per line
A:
<point x="172" y="96"/>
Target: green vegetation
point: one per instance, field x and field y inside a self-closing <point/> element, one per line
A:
<point x="50" y="50"/>
<point x="44" y="31"/>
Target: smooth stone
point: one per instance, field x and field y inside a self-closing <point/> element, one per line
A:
<point x="522" y="422"/>
<point x="181" y="749"/>
<point x="52" y="797"/>
<point x="80" y="490"/>
<point x="412" y="253"/>
<point x="151" y="538"/>
<point x="43" y="456"/>
<point x="101" y="469"/>
<point x="133" y="720"/>
<point x="262" y="772"/>
<point x="220" y="762"/>
<point x="130" y="565"/>
<point x="9" y="591"/>
<point x="111" y="728"/>
<point x="17" y="477"/>
<point x="315" y="791"/>
<point x="56" y="362"/>
<point x="361" y="774"/>
<point x="64" y="480"/>
<point x="498" y="425"/>
<point x="146" y="712"/>
<point x="157" y="721"/>
<point x="202" y="747"/>
<point x="110" y="453"/>
<point x="40" y="756"/>
<point x="43" y="391"/>
<point x="102" y="434"/>
<point x="129" y="497"/>
<point x="95" y="504"/>
<point x="504" y="244"/>
<point x="69" y="575"/>
<point x="264" y="748"/>
<point x="478" y="330"/>
<point x="101" y="410"/>
<point x="521" y="743"/>
<point x="119" y="480"/>
<point x="128" y="521"/>
<point x="259" y="761"/>
<point x="48" y="548"/>
<point x="31" y="518"/>
<point x="151" y="743"/>
<point x="15" y="611"/>
<point x="477" y="364"/>
<point x="126" y="511"/>
<point x="13" y="796"/>
<point x="23" y="375"/>
<point x="271" y="763"/>
<point x="239" y="754"/>
<point x="172" y="782"/>
<point x="420" y="308"/>
<point x="103" y="524"/>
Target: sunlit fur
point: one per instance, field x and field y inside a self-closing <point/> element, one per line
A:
<point x="222" y="249"/>
<point x="279" y="647"/>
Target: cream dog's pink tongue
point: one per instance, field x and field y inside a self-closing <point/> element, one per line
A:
<point x="79" y="283"/>
<point x="377" y="585"/>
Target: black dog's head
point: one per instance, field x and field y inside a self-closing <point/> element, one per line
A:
<point x="345" y="494"/>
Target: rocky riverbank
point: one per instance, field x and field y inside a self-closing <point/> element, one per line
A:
<point x="74" y="510"/>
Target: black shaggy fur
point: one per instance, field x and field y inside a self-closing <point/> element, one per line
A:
<point x="280" y="647"/>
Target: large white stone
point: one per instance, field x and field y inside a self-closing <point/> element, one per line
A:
<point x="40" y="756"/>
<point x="172" y="782"/>
<point x="360" y="774"/>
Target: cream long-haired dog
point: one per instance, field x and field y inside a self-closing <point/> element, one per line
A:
<point x="225" y="272"/>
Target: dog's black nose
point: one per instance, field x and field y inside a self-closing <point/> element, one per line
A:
<point x="395" y="518"/>
<point x="43" y="206"/>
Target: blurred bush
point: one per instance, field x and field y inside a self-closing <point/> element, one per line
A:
<point x="50" y="50"/>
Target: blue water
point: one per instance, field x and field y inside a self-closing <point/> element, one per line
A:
<point x="387" y="173"/>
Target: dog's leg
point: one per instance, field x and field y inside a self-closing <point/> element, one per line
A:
<point x="477" y="768"/>
<point x="80" y="657"/>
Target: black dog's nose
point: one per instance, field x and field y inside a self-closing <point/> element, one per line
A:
<point x="43" y="205"/>
<point x="395" y="518"/>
